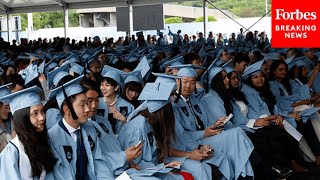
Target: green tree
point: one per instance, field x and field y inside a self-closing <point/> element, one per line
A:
<point x="172" y="20"/>
<point x="52" y="19"/>
<point x="210" y="19"/>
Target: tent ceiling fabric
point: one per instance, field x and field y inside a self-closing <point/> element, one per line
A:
<point x="25" y="6"/>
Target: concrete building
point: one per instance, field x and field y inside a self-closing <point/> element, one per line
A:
<point x="106" y="17"/>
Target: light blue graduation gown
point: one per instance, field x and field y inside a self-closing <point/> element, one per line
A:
<point x="283" y="99"/>
<point x="316" y="84"/>
<point x="138" y="129"/>
<point x="123" y="106"/>
<point x="214" y="108"/>
<point x="62" y="143"/>
<point x="258" y="107"/>
<point x="110" y="146"/>
<point x="226" y="155"/>
<point x="53" y="116"/>
<point x="299" y="88"/>
<point x="9" y="163"/>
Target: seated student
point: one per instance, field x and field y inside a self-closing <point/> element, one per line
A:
<point x="5" y="119"/>
<point x="132" y="89"/>
<point x="118" y="160"/>
<point x="300" y="82"/>
<point x="118" y="108"/>
<point x="262" y="101"/>
<point x="294" y="105"/>
<point x="155" y="126"/>
<point x="199" y="130"/>
<point x="275" y="146"/>
<point x="77" y="146"/>
<point x="28" y="155"/>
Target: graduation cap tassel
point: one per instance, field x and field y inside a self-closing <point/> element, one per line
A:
<point x="69" y="104"/>
<point x="179" y="93"/>
<point x="207" y="83"/>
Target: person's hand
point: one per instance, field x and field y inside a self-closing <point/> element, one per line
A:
<point x="172" y="164"/>
<point x="205" y="149"/>
<point x="278" y="121"/>
<point x="119" y="116"/>
<point x="220" y="121"/>
<point x="41" y="77"/>
<point x="133" y="152"/>
<point x="295" y="115"/>
<point x="262" y="122"/>
<point x="168" y="70"/>
<point x="211" y="131"/>
<point x="135" y="166"/>
<point x="316" y="69"/>
<point x="197" y="155"/>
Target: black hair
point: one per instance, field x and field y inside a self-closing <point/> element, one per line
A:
<point x="235" y="93"/>
<point x="264" y="92"/>
<point x="36" y="143"/>
<point x="285" y="82"/>
<point x="189" y="57"/>
<point x="110" y="81"/>
<point x="15" y="79"/>
<point x="240" y="57"/>
<point x="217" y="84"/>
<point x="134" y="86"/>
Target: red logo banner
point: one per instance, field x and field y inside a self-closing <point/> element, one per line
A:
<point x="295" y="23"/>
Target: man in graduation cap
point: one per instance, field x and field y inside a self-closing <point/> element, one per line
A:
<point x="79" y="152"/>
<point x="198" y="133"/>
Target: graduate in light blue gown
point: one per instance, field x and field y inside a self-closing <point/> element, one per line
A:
<point x="76" y="143"/>
<point x="5" y="118"/>
<point x="220" y="107"/>
<point x="53" y="115"/>
<point x="118" y="160"/>
<point x="300" y="82"/>
<point x="28" y="155"/>
<point x="295" y="105"/>
<point x="155" y="126"/>
<point x="199" y="130"/>
<point x="272" y="143"/>
<point x="117" y="109"/>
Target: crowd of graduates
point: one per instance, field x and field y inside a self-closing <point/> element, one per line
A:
<point x="148" y="109"/>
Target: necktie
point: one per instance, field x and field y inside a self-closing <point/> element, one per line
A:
<point x="78" y="134"/>
<point x="199" y="123"/>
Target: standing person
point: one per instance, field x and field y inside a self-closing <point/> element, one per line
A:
<point x="240" y="38"/>
<point x="162" y="41"/>
<point x="75" y="142"/>
<point x="28" y="155"/>
<point x="177" y="38"/>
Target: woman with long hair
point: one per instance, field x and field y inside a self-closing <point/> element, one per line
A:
<point x="6" y="130"/>
<point x="274" y="145"/>
<point x="28" y="155"/>
<point x="155" y="126"/>
<point x="293" y="102"/>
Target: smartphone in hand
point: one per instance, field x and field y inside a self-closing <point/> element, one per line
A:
<point x="140" y="142"/>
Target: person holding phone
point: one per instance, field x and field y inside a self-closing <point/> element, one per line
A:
<point x="118" y="160"/>
<point x="155" y="125"/>
<point x="200" y="131"/>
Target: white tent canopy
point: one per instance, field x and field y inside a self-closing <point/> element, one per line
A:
<point x="26" y="6"/>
